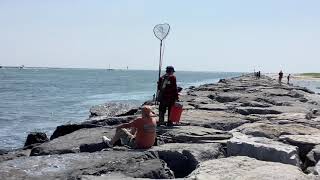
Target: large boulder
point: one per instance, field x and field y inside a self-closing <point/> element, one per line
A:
<point x="70" y="143"/>
<point x="183" y="158"/>
<point x="110" y="109"/>
<point x="245" y="168"/>
<point x="36" y="138"/>
<point x="304" y="142"/>
<point x="93" y="122"/>
<point x="314" y="154"/>
<point x="263" y="149"/>
<point x="73" y="166"/>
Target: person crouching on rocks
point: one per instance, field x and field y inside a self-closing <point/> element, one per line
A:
<point x="167" y="94"/>
<point x="142" y="133"/>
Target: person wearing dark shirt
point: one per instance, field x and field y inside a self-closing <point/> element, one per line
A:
<point x="167" y="94"/>
<point x="280" y="76"/>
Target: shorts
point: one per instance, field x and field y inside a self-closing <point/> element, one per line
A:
<point x="127" y="139"/>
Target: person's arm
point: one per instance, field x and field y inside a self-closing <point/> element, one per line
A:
<point x="127" y="125"/>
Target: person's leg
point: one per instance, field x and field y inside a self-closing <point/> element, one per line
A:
<point x="169" y="105"/>
<point x="119" y="135"/>
<point x="162" y="111"/>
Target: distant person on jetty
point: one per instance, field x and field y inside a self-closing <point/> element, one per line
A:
<point x="167" y="94"/>
<point x="280" y="76"/>
<point x="288" y="78"/>
<point x="142" y="133"/>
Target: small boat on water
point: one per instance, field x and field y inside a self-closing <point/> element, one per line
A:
<point x="21" y="67"/>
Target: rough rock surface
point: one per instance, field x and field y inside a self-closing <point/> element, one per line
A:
<point x="226" y="129"/>
<point x="35" y="138"/>
<point x="191" y="134"/>
<point x="244" y="168"/>
<point x="263" y="149"/>
<point x="314" y="154"/>
<point x="70" y="143"/>
<point x="70" y="166"/>
<point x="110" y="109"/>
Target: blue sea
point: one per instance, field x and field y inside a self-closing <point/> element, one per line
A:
<point x="41" y="99"/>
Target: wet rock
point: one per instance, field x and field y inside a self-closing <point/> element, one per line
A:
<point x="36" y="138"/>
<point x="70" y="143"/>
<point x="262" y="149"/>
<point x="3" y="151"/>
<point x="241" y="167"/>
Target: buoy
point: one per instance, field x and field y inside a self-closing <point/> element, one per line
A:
<point x="175" y="113"/>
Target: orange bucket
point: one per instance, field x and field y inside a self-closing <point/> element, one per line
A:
<point x="175" y="113"/>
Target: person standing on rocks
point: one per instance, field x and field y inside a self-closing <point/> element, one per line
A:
<point x="167" y="94"/>
<point x="288" y="78"/>
<point x="280" y="76"/>
<point x="142" y="132"/>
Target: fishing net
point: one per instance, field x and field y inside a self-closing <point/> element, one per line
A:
<point x="161" y="31"/>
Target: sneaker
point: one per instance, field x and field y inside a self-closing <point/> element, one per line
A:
<point x="106" y="141"/>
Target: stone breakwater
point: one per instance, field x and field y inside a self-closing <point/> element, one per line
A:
<point x="238" y="128"/>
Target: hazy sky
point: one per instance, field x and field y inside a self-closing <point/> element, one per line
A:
<point x="229" y="35"/>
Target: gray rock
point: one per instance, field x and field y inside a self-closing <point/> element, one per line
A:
<point x="70" y="143"/>
<point x="274" y="131"/>
<point x="14" y="154"/>
<point x="213" y="107"/>
<point x="191" y="134"/>
<point x="213" y="119"/>
<point x="183" y="158"/>
<point x="304" y="142"/>
<point x="245" y="168"/>
<point x="256" y="110"/>
<point x="263" y="149"/>
<point x="36" y="138"/>
<point x="314" y="154"/>
<point x="313" y="139"/>
<point x="110" y="109"/>
<point x="72" y="166"/>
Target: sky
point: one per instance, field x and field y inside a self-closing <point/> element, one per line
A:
<point x="212" y="35"/>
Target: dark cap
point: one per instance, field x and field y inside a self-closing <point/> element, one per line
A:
<point x="170" y="69"/>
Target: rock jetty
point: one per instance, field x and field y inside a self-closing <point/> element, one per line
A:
<point x="238" y="128"/>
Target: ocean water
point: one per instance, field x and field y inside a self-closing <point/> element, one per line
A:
<point x="41" y="99"/>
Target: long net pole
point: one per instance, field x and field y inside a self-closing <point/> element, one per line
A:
<point x="159" y="75"/>
<point x="160" y="60"/>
